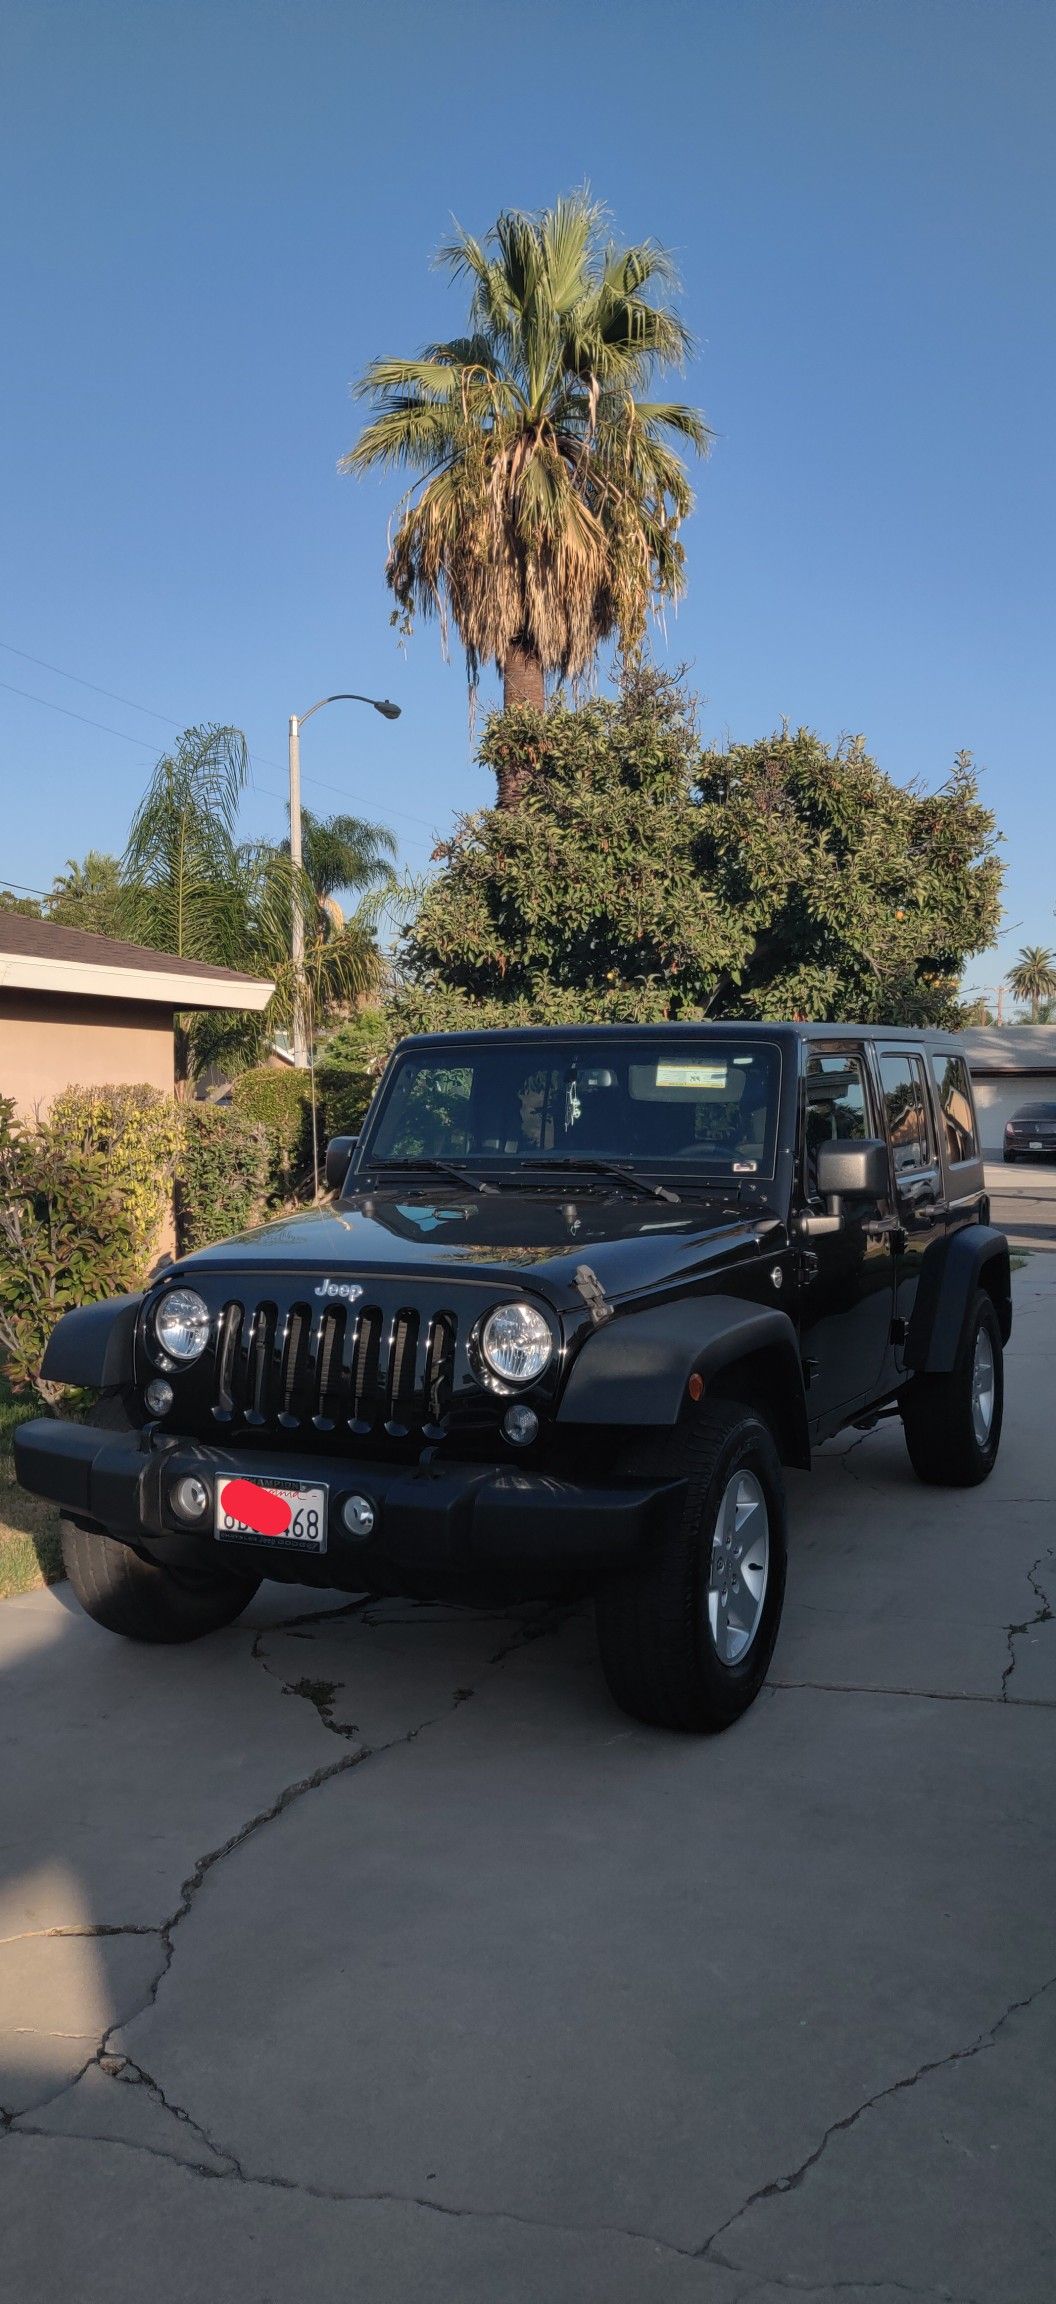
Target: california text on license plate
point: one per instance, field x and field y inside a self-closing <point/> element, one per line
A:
<point x="239" y="1521"/>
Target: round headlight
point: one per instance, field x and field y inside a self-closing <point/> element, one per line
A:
<point x="181" y="1324"/>
<point x="516" y="1343"/>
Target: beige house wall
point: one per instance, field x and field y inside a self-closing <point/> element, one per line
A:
<point x="49" y="1041"/>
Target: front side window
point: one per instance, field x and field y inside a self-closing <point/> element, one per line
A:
<point x="955" y="1099"/>
<point x="836" y="1104"/>
<point x="907" y="1112"/>
<point x="709" y="1104"/>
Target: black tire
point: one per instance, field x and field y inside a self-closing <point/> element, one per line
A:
<point x="655" y="1639"/>
<point x="945" y="1449"/>
<point x="1008" y="1158"/>
<point x="139" y="1598"/>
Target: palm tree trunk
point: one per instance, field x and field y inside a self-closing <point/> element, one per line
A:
<point x="522" y="677"/>
<point x="522" y="683"/>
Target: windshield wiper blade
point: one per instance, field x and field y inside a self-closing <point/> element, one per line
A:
<point x="437" y="1168"/>
<point x="626" y="1176"/>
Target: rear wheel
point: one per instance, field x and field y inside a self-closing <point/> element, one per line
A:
<point x="140" y="1598"/>
<point x="686" y="1639"/>
<point x="953" y="1422"/>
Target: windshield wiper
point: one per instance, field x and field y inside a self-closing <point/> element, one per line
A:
<point x="626" y="1176"/>
<point x="437" y="1168"/>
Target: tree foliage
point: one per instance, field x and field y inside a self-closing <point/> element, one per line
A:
<point x="549" y="490"/>
<point x="643" y="877"/>
<point x="190" y="886"/>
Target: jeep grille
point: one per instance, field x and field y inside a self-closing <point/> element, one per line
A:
<point x="342" y="1367"/>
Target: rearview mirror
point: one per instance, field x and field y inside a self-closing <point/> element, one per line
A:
<point x="338" y="1154"/>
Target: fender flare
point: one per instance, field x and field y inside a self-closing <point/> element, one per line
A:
<point x="93" y="1346"/>
<point x="636" y="1369"/>
<point x="951" y="1272"/>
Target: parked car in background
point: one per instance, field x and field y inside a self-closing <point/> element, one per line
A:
<point x="1031" y="1133"/>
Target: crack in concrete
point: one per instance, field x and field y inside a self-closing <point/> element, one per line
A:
<point x="90" y="1928"/>
<point x="236" y="2172"/>
<point x="926" y="1695"/>
<point x="1043" y="1614"/>
<point x="791" y="2182"/>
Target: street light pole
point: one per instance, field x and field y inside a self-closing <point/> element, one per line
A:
<point x="389" y="711"/>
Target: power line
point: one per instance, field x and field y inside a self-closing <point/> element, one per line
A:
<point x="41" y="661"/>
<point x="31" y="698"/>
<point x="142" y="741"/>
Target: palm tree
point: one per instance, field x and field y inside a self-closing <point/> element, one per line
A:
<point x="344" y="852"/>
<point x="1034" y="977"/>
<point x="545" y="512"/>
<point x="88" y="895"/>
<point x="189" y="886"/>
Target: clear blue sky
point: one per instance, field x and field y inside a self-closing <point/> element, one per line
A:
<point x="216" y="214"/>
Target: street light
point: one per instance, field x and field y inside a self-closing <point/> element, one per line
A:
<point x="389" y="711"/>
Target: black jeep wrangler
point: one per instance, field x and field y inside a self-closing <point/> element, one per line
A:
<point x="579" y="1297"/>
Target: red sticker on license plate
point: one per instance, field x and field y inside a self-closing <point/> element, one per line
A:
<point x="256" y="1508"/>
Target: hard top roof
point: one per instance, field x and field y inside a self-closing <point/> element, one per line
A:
<point x="692" y="1029"/>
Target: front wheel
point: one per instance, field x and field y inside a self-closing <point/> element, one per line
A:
<point x="953" y="1422"/>
<point x="686" y="1639"/>
<point x="143" y="1600"/>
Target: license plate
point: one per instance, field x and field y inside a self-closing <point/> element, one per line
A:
<point x="253" y="1514"/>
<point x="1036" y="1144"/>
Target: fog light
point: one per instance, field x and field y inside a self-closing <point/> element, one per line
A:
<point x="189" y="1498"/>
<point x="357" y="1512"/>
<point x="521" y="1425"/>
<point x="158" y="1396"/>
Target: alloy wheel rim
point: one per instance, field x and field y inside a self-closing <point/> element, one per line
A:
<point x="984" y="1387"/>
<point x="739" y="1569"/>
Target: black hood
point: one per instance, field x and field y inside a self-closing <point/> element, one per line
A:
<point x="629" y="1244"/>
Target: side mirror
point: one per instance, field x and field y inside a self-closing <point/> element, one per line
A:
<point x="850" y="1168"/>
<point x="338" y="1154"/>
<point x="853" y="1168"/>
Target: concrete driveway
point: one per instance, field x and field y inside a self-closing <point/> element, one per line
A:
<point x="373" y="1955"/>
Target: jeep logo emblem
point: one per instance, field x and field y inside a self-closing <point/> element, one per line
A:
<point x="348" y="1289"/>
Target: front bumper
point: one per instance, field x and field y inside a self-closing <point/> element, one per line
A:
<point x="520" y="1526"/>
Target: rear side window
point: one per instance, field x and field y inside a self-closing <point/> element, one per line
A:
<point x="955" y="1098"/>
<point x="905" y="1101"/>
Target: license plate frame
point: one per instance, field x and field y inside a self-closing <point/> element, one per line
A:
<point x="228" y="1530"/>
<point x="1036" y="1145"/>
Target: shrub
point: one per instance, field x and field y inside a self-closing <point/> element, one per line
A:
<point x="68" y="1236"/>
<point x="280" y="1103"/>
<point x="349" y="1067"/>
<point x="224" y="1175"/>
<point x="139" y="1134"/>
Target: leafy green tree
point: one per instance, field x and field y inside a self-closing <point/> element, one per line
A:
<point x="644" y="878"/>
<point x="547" y="493"/>
<point x="88" y="895"/>
<point x="1034" y="977"/>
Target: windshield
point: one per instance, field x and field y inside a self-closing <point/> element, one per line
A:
<point x="707" y="1105"/>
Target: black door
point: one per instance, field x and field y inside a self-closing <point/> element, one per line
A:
<point x="919" y="1204"/>
<point x="848" y="1276"/>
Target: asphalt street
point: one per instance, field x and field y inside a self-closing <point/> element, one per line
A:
<point x="369" y="1953"/>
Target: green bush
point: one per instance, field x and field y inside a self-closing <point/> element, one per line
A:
<point x="281" y="1103"/>
<point x="348" y="1068"/>
<point x="70" y="1233"/>
<point x="139" y="1134"/>
<point x="224" y="1175"/>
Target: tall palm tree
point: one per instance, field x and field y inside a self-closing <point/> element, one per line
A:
<point x="1034" y="977"/>
<point x="189" y="886"/>
<point x="545" y="512"/>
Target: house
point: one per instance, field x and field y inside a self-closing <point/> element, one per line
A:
<point x="1011" y="1065"/>
<point x="87" y="1009"/>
